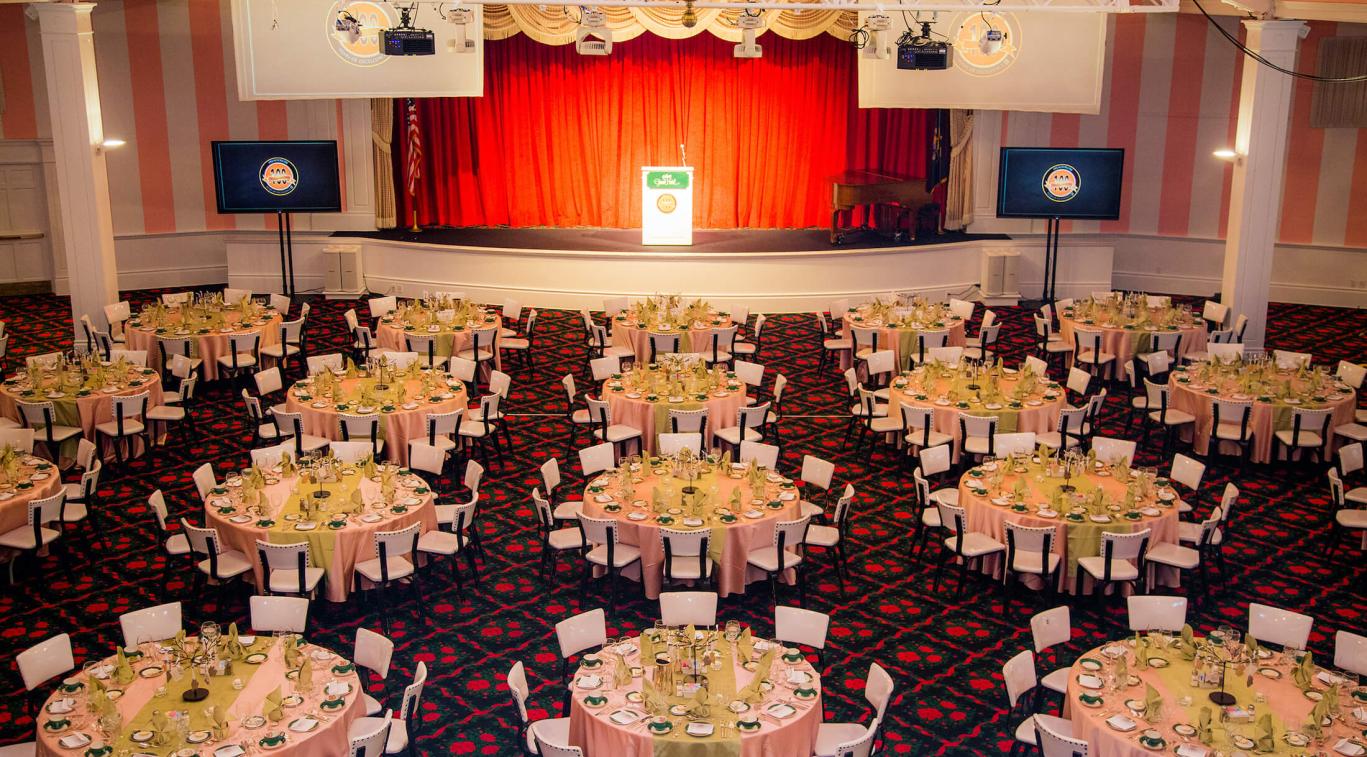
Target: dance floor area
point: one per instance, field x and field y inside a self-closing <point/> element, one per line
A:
<point x="944" y="652"/>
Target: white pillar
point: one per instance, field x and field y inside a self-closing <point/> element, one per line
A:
<point x="1256" y="192"/>
<point x="73" y="92"/>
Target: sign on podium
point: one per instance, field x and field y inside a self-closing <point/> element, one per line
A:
<point x="667" y="205"/>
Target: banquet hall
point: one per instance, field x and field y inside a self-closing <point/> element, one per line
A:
<point x="683" y="378"/>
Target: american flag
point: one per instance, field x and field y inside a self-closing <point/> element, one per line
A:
<point x="414" y="149"/>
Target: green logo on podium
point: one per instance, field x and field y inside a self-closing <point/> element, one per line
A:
<point x="667" y="179"/>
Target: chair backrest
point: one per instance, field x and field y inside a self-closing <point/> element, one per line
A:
<point x="20" y="439"/>
<point x="587" y="630"/>
<point x="1350" y="458"/>
<point x="681" y="608"/>
<point x="129" y="405"/>
<point x="752" y="374"/>
<point x="268" y="381"/>
<point x="1233" y="411"/>
<point x="935" y="460"/>
<point x="801" y="626"/>
<point x="1019" y="675"/>
<point x="135" y="357"/>
<point x="392" y="544"/>
<point x="603" y="367"/>
<point x="962" y="308"/>
<point x="551" y="749"/>
<point x="688" y="420"/>
<point x="1286" y="359"/>
<point x="382" y="306"/>
<point x="295" y="556"/>
<point x="1124" y="546"/>
<point x="157" y="501"/>
<point x="373" y="651"/>
<point x="1284" y="627"/>
<point x="1021" y="441"/>
<point x="817" y="472"/>
<point x="1023" y="538"/>
<point x="1350" y="652"/>
<point x="1152" y="612"/>
<point x="1110" y="450"/>
<point x="46" y="360"/>
<point x="281" y="303"/>
<point x="1055" y="744"/>
<point x="948" y="355"/>
<point x="347" y="452"/>
<point x="866" y="338"/>
<point x="45" y="660"/>
<point x="1351" y="374"/>
<point x="370" y="741"/>
<point x="243" y="344"/>
<point x="156" y="623"/>
<point x="671" y="444"/>
<point x="1087" y="341"/>
<point x="978" y="425"/>
<point x="357" y="426"/>
<point x="175" y="298"/>
<point x="204" y="479"/>
<point x="1187" y="471"/>
<point x="1225" y="352"/>
<point x="1308" y="421"/>
<point x="602" y="531"/>
<point x="595" y="459"/>
<point x="753" y="416"/>
<point x="662" y="343"/>
<point x="765" y="455"/>
<point x="1036" y="366"/>
<point x="1078" y="380"/>
<point x="880" y="362"/>
<point x="271" y="614"/>
<point x="269" y="457"/>
<point x="1215" y="313"/>
<point x="860" y="746"/>
<point x="1051" y="627"/>
<point x="401" y="360"/>
<point x="329" y="362"/>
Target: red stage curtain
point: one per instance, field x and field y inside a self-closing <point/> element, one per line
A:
<point x="558" y="138"/>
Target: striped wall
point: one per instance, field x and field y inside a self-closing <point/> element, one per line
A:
<point x="168" y="87"/>
<point x="1182" y="105"/>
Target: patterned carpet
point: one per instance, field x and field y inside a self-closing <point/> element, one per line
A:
<point x="945" y="654"/>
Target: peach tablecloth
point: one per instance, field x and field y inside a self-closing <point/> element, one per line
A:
<point x="901" y="339"/>
<point x="653" y="417"/>
<point x="337" y="552"/>
<point x="1036" y="418"/>
<point x="397" y="427"/>
<point x="207" y="347"/>
<point x="392" y="335"/>
<point x="1071" y="539"/>
<point x="1126" y="343"/>
<point x="1265" y="420"/>
<point x="139" y="699"/>
<point x="593" y="731"/>
<point x="1290" y="709"/>
<point x="635" y="335"/>
<point x="741" y="536"/>
<point x="14" y="509"/>
<point x="86" y="412"/>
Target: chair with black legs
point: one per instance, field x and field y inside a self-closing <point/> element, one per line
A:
<point x="1122" y="559"/>
<point x="1030" y="551"/>
<point x="394" y="563"/>
<point x="779" y="557"/>
<point x="964" y="545"/>
<point x="214" y="563"/>
<point x="605" y="550"/>
<point x="832" y="538"/>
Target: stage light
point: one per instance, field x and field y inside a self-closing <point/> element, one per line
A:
<point x="690" y="18"/>
<point x="749" y="24"/>
<point x="1226" y="154"/>
<point x="878" y="46"/>
<point x="110" y="143"/>
<point x="460" y="20"/>
<point x="348" y="25"/>
<point x="592" y="36"/>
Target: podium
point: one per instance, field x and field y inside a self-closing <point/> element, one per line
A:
<point x="667" y="205"/>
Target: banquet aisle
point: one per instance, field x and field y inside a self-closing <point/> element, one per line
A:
<point x="943" y="650"/>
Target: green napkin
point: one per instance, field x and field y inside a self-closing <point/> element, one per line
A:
<point x="357" y="501"/>
<point x="1331" y="698"/>
<point x="218" y="721"/>
<point x="1251" y="645"/>
<point x="698" y="707"/>
<point x="1141" y="649"/>
<point x="1153" y="703"/>
<point x="272" y="709"/>
<point x="123" y="672"/>
<point x="745" y="645"/>
<point x="161" y="734"/>
<point x="1265" y="742"/>
<point x="305" y="681"/>
<point x="1314" y="728"/>
<point x="1187" y="644"/>
<point x="622" y="671"/>
<point x="1304" y="674"/>
<point x="1203" y="730"/>
<point x="234" y="646"/>
<point x="291" y="651"/>
<point x="368" y="466"/>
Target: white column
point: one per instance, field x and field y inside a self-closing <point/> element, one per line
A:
<point x="82" y="183"/>
<point x="1256" y="192"/>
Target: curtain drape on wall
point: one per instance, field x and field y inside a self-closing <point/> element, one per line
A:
<point x="559" y="139"/>
<point x="381" y="134"/>
<point x="959" y="193"/>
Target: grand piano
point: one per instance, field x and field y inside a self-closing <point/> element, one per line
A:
<point x="894" y="202"/>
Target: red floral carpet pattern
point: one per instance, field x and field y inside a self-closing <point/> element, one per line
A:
<point x="944" y="653"/>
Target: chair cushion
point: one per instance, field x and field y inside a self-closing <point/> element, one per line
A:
<point x="279" y="350"/>
<point x="823" y="536"/>
<point x="59" y="433"/>
<point x="732" y="435"/>
<point x="622" y="555"/>
<point x="947" y="496"/>
<point x="1056" y="681"/>
<point x="568" y="510"/>
<point x="1139" y="403"/>
<point x="566" y="538"/>
<point x="551" y="730"/>
<point x="1229" y="431"/>
<point x="976" y="544"/>
<point x="437" y="542"/>
<point x="1053" y="346"/>
<point x="1175" y="417"/>
<point x="581" y="417"/>
<point x="810" y="509"/>
<point x="837" y="344"/>
<point x="1029" y="562"/>
<point x="1307" y="438"/>
<point x="1190" y="533"/>
<point x="22" y="537"/>
<point x="879" y="410"/>
<point x="766" y="558"/>
<point x="685" y="568"/>
<point x="286" y="581"/>
<point x="743" y="348"/>
<point x="230" y="563"/>
<point x="177" y="544"/>
<point x="469" y="354"/>
<point x="1355" y="431"/>
<point x="831" y="735"/>
<point x="917" y="436"/>
<point x="111" y="428"/>
<point x="1356" y="519"/>
<point x="976" y="444"/>
<point x="1053" y="439"/>
<point x="399" y="567"/>
<point x="372" y="705"/>
<point x="1088" y="356"/>
<point x="244" y="360"/>
<point x="1356" y="494"/>
<point x="166" y="413"/>
<point x="1025" y="732"/>
<point x="1185" y="558"/>
<point x="513" y="343"/>
<point x="618" y="432"/>
<point x="268" y="431"/>
<point x="885" y="425"/>
<point x="73" y="493"/>
<point x="1121" y="570"/>
<point x="311" y="442"/>
<point x="19" y="750"/>
<point x="930" y="517"/>
<point x="74" y="512"/>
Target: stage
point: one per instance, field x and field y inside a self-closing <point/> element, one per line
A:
<point x="772" y="271"/>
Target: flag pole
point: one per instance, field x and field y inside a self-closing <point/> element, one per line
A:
<point x="415" y="227"/>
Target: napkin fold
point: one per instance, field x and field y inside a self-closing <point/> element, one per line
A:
<point x="357" y="501"/>
<point x="1141" y="649"/>
<point x="1304" y="673"/>
<point x="1264" y="741"/>
<point x="218" y="721"/>
<point x="622" y="671"/>
<point x="291" y="652"/>
<point x="746" y="645"/>
<point x="306" y="675"/>
<point x="160" y="728"/>
<point x="1153" y="703"/>
<point x="1122" y="671"/>
<point x="1314" y="725"/>
<point x="1187" y="643"/>
<point x="234" y="646"/>
<point x="1251" y="646"/>
<point x="654" y="701"/>
<point x="699" y="706"/>
<point x="647" y="645"/>
<point x="123" y="672"/>
<point x="271" y="709"/>
<point x="1203" y="729"/>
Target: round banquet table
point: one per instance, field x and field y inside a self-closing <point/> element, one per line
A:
<point x="400" y="422"/>
<point x="634" y="334"/>
<point x="36" y="479"/>
<point x="140" y="700"/>
<point x="86" y="407"/>
<point x="207" y="345"/>
<point x="1269" y="415"/>
<point x="1036" y="411"/>
<point x="635" y="408"/>
<point x="1182" y="704"/>
<point x="595" y="731"/>
<point x="900" y="338"/>
<point x="1076" y="534"/>
<point x="335" y="550"/>
<point x="1127" y="341"/>
<point x="731" y="540"/>
<point x="395" y="328"/>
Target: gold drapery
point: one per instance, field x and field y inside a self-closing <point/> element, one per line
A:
<point x="959" y="193"/>
<point x="555" y="24"/>
<point x="381" y="135"/>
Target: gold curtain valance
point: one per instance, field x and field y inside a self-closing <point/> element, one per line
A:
<point x="554" y="25"/>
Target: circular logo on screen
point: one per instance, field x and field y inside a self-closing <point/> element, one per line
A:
<point x="353" y="28"/>
<point x="986" y="43"/>
<point x="1061" y="182"/>
<point x="278" y="176"/>
<point x="667" y="203"/>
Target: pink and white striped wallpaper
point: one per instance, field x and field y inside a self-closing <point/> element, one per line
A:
<point x="168" y="82"/>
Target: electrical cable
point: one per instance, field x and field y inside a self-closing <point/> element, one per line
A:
<point x="1233" y="40"/>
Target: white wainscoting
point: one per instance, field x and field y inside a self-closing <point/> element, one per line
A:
<point x="767" y="281"/>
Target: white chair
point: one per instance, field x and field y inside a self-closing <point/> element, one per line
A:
<point x="580" y="633"/>
<point x="382" y="306"/>
<point x="1152" y="612"/>
<point x="764" y="455"/>
<point x="1019" y="676"/>
<point x="750" y="374"/>
<point x="243" y="353"/>
<point x="438" y="441"/>
<point x="878" y="688"/>
<point x="801" y="626"/>
<point x="395" y="560"/>
<point x="173" y="545"/>
<point x="319" y="363"/>
<point x="130" y="413"/>
<point x="1309" y="433"/>
<point x="962" y="308"/>
<point x="1350" y="652"/>
<point x="35" y="534"/>
<point x="274" y="614"/>
<point x="1188" y="472"/>
<point x="606" y="550"/>
<point x="948" y="355"/>
<point x="830" y="345"/>
<point x="592" y="460"/>
<point x="292" y="425"/>
<point x="547" y="749"/>
<point x="37" y="665"/>
<point x="1036" y="366"/>
<point x="780" y="556"/>
<point x="349" y="452"/>
<point x="964" y="545"/>
<point x="1088" y="350"/>
<point x="1214" y="314"/>
<point x="1111" y="451"/>
<point x="373" y="652"/>
<point x="370" y="743"/>
<point x="134" y="357"/>
<point x="157" y="623"/>
<point x="686" y="556"/>
<point x="232" y="296"/>
<point x="1007" y="444"/>
<point x="1291" y="630"/>
<point x="976" y="434"/>
<point x="683" y="608"/>
<point x="671" y="444"/>
<point x="204" y="479"/>
<point x="1287" y="360"/>
<point x="41" y="419"/>
<point x="19" y="439"/>
<point x="176" y="298"/>
<point x="815" y="473"/>
<point x="1030" y="551"/>
<point x="1068" y="434"/>
<point x="1224" y="352"/>
<point x="553" y="540"/>
<point x="554" y="731"/>
<point x="1055" y="740"/>
<point x="617" y="434"/>
<point x="1121" y="560"/>
<point x="214" y="562"/>
<point x="1048" y="629"/>
<point x="289" y="568"/>
<point x="934" y="461"/>
<point x="403" y="729"/>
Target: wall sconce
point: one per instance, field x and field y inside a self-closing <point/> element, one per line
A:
<point x="1228" y="155"/>
<point x="109" y="144"/>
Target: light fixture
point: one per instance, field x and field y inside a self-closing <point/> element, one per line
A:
<point x="749" y="22"/>
<point x="592" y="36"/>
<point x="109" y="144"/>
<point x="878" y="46"/>
<point x="460" y="20"/>
<point x="690" y="18"/>
<point x="1227" y="154"/>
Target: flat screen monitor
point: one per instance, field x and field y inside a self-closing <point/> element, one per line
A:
<point x="1044" y="182"/>
<point x="269" y="177"/>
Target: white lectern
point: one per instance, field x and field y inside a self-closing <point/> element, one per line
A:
<point x="667" y="205"/>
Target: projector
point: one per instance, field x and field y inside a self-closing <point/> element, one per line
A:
<point x="408" y="42"/>
<point x="925" y="56"/>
